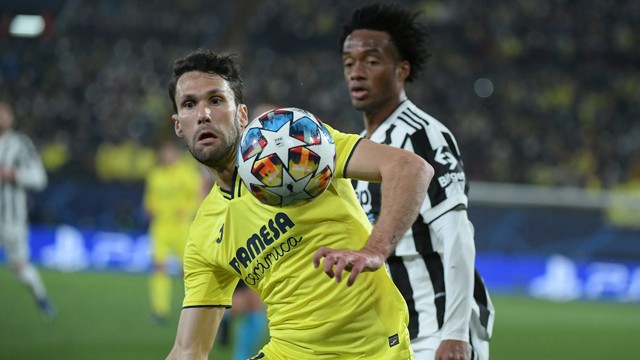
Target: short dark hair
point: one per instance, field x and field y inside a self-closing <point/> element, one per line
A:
<point x="407" y="34"/>
<point x="208" y="61"/>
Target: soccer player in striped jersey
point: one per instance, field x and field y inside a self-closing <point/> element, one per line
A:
<point x="451" y="316"/>
<point x="310" y="316"/>
<point x="21" y="170"/>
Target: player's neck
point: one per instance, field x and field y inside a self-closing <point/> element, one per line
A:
<point x="374" y="118"/>
<point x="223" y="176"/>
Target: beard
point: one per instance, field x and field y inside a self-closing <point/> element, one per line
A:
<point x="221" y="155"/>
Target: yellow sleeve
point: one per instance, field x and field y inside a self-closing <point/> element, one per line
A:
<point x="205" y="284"/>
<point x="345" y="143"/>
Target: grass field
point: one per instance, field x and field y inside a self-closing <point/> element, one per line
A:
<point x="105" y="316"/>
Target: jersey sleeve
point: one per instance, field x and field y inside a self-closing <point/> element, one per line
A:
<point x="30" y="172"/>
<point x="448" y="187"/>
<point x="345" y="144"/>
<point x="205" y="284"/>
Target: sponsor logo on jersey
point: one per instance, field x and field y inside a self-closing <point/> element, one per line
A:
<point x="450" y="177"/>
<point x="262" y="243"/>
<point x="450" y="165"/>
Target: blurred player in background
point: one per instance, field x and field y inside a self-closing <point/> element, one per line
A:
<point x="172" y="194"/>
<point x="451" y="315"/>
<point x="20" y="170"/>
<point x="306" y="321"/>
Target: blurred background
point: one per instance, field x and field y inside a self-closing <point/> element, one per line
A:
<point x="543" y="97"/>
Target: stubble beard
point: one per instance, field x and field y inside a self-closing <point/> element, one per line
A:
<point x="221" y="156"/>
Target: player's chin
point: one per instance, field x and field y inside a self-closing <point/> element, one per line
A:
<point x="359" y="104"/>
<point x="204" y="154"/>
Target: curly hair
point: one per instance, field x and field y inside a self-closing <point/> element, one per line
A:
<point x="208" y="61"/>
<point x="407" y="34"/>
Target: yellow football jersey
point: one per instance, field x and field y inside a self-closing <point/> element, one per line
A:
<point x="172" y="192"/>
<point x="271" y="249"/>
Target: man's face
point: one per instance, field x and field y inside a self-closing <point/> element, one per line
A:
<point x="372" y="70"/>
<point x="208" y="118"/>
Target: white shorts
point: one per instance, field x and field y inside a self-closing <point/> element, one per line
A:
<point x="14" y="242"/>
<point x="425" y="347"/>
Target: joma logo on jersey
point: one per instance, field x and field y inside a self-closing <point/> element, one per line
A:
<point x="256" y="243"/>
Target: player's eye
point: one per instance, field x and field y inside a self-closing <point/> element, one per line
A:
<point x="188" y="105"/>
<point x="215" y="101"/>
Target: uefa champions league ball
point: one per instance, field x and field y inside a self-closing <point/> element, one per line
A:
<point x="286" y="156"/>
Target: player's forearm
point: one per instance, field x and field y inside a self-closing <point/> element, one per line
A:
<point x="405" y="181"/>
<point x="32" y="177"/>
<point x="197" y="330"/>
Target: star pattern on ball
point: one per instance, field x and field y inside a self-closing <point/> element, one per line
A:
<point x="324" y="159"/>
<point x="244" y="167"/>
<point x="292" y="191"/>
<point x="279" y="142"/>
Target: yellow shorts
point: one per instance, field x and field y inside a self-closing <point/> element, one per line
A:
<point x="168" y="239"/>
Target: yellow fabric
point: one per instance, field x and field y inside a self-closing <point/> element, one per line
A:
<point x="172" y="195"/>
<point x="271" y="249"/>
<point x="310" y="315"/>
<point x="160" y="288"/>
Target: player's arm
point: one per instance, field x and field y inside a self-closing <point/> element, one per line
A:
<point x="30" y="172"/>
<point x="455" y="234"/>
<point x="405" y="179"/>
<point x="148" y="197"/>
<point x="197" y="329"/>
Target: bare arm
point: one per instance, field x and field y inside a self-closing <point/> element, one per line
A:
<point x="405" y="179"/>
<point x="197" y="331"/>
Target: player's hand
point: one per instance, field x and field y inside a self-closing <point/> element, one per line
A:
<point x="7" y="174"/>
<point x="349" y="260"/>
<point x="453" y="349"/>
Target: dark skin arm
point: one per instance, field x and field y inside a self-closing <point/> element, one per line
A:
<point x="405" y="179"/>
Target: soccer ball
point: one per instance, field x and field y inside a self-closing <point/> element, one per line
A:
<point x="286" y="156"/>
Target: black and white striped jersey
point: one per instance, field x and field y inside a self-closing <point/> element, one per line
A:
<point x="17" y="152"/>
<point x="412" y="129"/>
<point x="440" y="238"/>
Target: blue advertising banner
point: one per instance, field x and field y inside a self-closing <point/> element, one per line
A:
<point x="553" y="276"/>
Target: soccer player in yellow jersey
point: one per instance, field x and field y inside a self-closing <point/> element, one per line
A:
<point x="284" y="253"/>
<point x="171" y="197"/>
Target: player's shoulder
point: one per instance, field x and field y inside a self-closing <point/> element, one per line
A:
<point x="413" y="116"/>
<point x="412" y="120"/>
<point x="214" y="203"/>
<point x="18" y="137"/>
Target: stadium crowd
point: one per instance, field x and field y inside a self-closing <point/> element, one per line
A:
<point x="538" y="92"/>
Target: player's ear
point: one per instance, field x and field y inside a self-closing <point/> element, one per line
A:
<point x="403" y="70"/>
<point x="176" y="125"/>
<point x="243" y="116"/>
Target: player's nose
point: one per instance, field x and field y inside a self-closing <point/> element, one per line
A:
<point x="204" y="114"/>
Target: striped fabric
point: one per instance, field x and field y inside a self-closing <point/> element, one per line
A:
<point x="417" y="266"/>
<point x="17" y="152"/>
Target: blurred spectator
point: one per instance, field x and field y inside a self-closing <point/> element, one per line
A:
<point x="543" y="92"/>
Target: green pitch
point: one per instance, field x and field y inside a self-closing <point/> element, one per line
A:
<point x="105" y="316"/>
